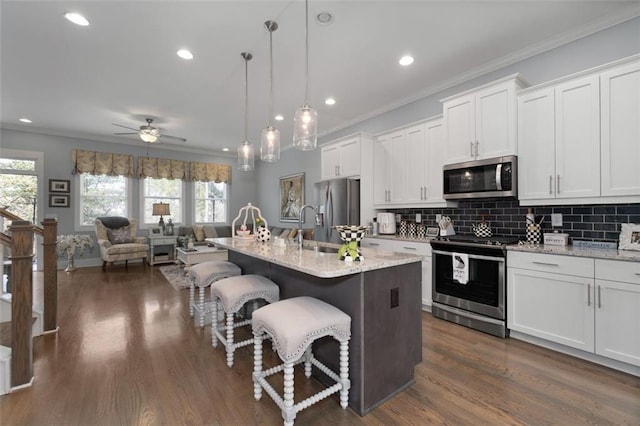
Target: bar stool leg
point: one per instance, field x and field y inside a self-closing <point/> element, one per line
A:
<point x="214" y="323"/>
<point x="229" y="345"/>
<point x="344" y="374"/>
<point x="257" y="365"/>
<point x="307" y="362"/>
<point x="288" y="412"/>
<point x="192" y="296"/>
<point x="201" y="304"/>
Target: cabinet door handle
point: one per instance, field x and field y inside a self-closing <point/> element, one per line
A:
<point x="471" y="152"/>
<point x="409" y="248"/>
<point x="477" y="143"/>
<point x="550" y="185"/>
<point x="545" y="263"/>
<point x="588" y="294"/>
<point x="638" y="274"/>
<point x="599" y="297"/>
<point x="374" y="244"/>
<point x="425" y="193"/>
<point x="558" y="185"/>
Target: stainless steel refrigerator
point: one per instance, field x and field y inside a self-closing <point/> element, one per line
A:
<point x="338" y="203"/>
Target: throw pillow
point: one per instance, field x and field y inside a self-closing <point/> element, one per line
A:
<point x="198" y="232"/>
<point x="285" y="233"/>
<point x="293" y="232"/>
<point x="209" y="231"/>
<point x="119" y="236"/>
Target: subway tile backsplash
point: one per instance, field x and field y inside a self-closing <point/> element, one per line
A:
<point x="581" y="222"/>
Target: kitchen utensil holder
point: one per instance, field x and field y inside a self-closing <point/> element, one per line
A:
<point x="534" y="233"/>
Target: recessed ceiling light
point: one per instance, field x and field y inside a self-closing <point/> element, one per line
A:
<point x="26" y="120"/>
<point x="406" y="60"/>
<point x="279" y="117"/>
<point x="225" y="149"/>
<point x="330" y="101"/>
<point x="324" y="18"/>
<point x="76" y="18"/>
<point x="185" y="54"/>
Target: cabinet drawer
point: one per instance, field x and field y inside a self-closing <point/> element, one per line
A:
<point x="567" y="265"/>
<point x="423" y="249"/>
<point x="616" y="270"/>
<point x="164" y="241"/>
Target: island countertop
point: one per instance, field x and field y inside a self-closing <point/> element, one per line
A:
<point x="319" y="264"/>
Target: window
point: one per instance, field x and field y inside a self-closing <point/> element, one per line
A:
<point x="19" y="183"/>
<point x="165" y="191"/>
<point x="210" y="202"/>
<point x="102" y="195"/>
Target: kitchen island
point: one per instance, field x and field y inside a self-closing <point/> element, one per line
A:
<point x="382" y="294"/>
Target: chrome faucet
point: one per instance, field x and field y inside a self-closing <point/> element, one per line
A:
<point x="299" y="236"/>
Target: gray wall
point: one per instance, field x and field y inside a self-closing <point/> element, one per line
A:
<point x="608" y="45"/>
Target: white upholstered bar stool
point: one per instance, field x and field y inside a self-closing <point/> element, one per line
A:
<point x="230" y="295"/>
<point x="202" y="276"/>
<point x="294" y="324"/>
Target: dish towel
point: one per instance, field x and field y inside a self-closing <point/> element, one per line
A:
<point x="460" y="267"/>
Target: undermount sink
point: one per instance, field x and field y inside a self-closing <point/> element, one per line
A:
<point x="321" y="249"/>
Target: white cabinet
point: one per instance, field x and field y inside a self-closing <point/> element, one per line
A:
<point x="551" y="297"/>
<point x="481" y="123"/>
<point x="617" y="303"/>
<point x="417" y="248"/>
<point x="408" y="166"/>
<point x="340" y="158"/>
<point x="389" y="168"/>
<point x="587" y="304"/>
<point x="578" y="138"/>
<point x="620" y="127"/>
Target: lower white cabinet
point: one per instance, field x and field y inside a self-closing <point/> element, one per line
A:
<point x="617" y="303"/>
<point x="583" y="303"/>
<point x="417" y="248"/>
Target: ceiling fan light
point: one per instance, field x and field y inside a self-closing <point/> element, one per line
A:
<point x="149" y="136"/>
<point x="270" y="145"/>
<point x="305" y="128"/>
<point x="246" y="159"/>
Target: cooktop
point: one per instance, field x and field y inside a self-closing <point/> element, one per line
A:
<point x="472" y="239"/>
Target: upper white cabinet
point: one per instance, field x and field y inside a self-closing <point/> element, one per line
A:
<point x="481" y="123"/>
<point x="620" y="126"/>
<point x="578" y="138"/>
<point x="341" y="158"/>
<point x="408" y="166"/>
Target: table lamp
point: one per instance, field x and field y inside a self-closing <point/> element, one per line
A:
<point x="161" y="209"/>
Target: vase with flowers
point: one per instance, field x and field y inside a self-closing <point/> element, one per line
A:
<point x="71" y="243"/>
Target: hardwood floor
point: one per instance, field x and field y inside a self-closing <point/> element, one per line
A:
<point x="127" y="353"/>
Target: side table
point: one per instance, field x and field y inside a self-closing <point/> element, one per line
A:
<point x="162" y="249"/>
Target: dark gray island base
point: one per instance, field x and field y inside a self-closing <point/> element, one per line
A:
<point x="385" y="309"/>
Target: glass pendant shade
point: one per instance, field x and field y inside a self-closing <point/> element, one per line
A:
<point x="305" y="128"/>
<point x="270" y="144"/>
<point x="245" y="157"/>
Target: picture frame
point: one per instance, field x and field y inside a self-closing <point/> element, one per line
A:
<point x="58" y="200"/>
<point x="291" y="197"/>
<point x="58" y="185"/>
<point x="155" y="231"/>
<point x="629" y="237"/>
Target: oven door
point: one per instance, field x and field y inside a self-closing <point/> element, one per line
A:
<point x="484" y="293"/>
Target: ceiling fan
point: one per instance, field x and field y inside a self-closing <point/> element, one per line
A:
<point x="148" y="133"/>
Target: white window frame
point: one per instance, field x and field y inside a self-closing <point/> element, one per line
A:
<point x="78" y="202"/>
<point x="193" y="193"/>
<point x="143" y="196"/>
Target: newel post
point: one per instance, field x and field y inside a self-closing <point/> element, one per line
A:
<point x="21" y="303"/>
<point x="50" y="236"/>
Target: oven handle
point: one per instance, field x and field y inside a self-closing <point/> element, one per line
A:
<point x="471" y="256"/>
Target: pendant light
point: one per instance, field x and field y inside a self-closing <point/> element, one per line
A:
<point x="270" y="138"/>
<point x="305" y="122"/>
<point x="245" y="150"/>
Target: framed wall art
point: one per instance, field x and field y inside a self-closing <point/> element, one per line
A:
<point x="155" y="231"/>
<point x="291" y="197"/>
<point x="58" y="200"/>
<point x="629" y="236"/>
<point x="57" y="185"/>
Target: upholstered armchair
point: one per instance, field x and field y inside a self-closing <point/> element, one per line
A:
<point x="118" y="241"/>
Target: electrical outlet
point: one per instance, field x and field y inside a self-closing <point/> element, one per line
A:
<point x="418" y="218"/>
<point x="556" y="219"/>
<point x="395" y="297"/>
<point x="438" y="218"/>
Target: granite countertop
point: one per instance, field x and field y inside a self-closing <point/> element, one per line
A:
<point x="594" y="253"/>
<point x="319" y="264"/>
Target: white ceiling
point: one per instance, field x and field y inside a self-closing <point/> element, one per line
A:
<point x="77" y="81"/>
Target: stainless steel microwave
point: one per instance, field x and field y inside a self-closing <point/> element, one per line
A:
<point x="491" y="178"/>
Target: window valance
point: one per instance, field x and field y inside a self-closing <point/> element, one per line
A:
<point x="101" y="163"/>
<point x="161" y="168"/>
<point x="209" y="172"/>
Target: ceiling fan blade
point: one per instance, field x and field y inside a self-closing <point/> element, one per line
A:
<point x="126" y="127"/>
<point x="126" y="133"/>
<point x="173" y="137"/>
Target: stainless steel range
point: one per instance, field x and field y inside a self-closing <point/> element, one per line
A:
<point x="469" y="281"/>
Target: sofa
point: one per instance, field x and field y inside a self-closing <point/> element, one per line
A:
<point x="200" y="232"/>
